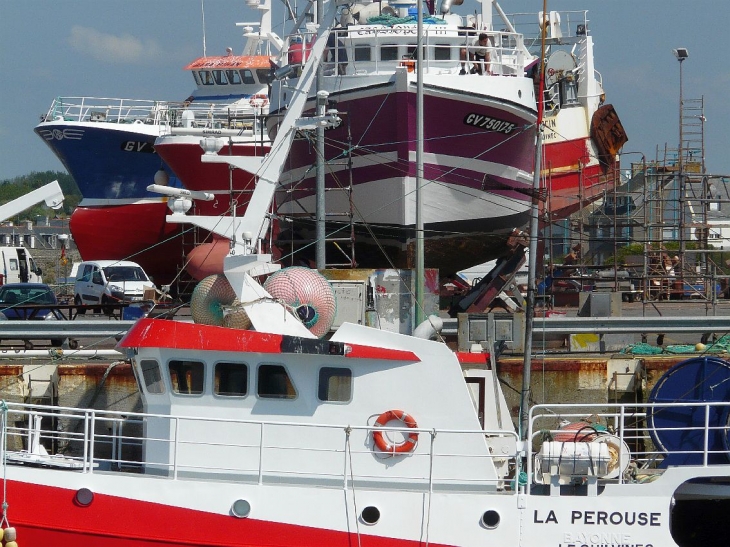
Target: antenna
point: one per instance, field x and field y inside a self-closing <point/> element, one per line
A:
<point x="202" y="12"/>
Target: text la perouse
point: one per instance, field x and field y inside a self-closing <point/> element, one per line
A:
<point x="602" y="518"/>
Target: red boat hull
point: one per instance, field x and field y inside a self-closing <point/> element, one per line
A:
<point x="114" y="521"/>
<point x="137" y="232"/>
<point x="182" y="155"/>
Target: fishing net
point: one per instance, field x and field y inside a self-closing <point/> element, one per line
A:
<point x="211" y="297"/>
<point x="307" y="294"/>
<point x="390" y="20"/>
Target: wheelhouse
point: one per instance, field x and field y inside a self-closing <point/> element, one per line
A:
<point x="235" y="76"/>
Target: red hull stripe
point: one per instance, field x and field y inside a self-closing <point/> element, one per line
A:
<point x="466" y="358"/>
<point x="160" y="333"/>
<point x="47" y="516"/>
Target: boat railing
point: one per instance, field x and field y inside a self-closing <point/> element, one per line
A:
<point x="644" y="438"/>
<point x="641" y="438"/>
<point x="245" y="114"/>
<point x="89" y="441"/>
<point x="564" y="27"/>
<point x="377" y="49"/>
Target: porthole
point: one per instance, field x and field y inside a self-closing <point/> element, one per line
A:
<point x="84" y="497"/>
<point x="241" y="509"/>
<point x="370" y="515"/>
<point x="490" y="519"/>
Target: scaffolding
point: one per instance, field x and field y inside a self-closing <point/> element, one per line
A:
<point x="678" y="213"/>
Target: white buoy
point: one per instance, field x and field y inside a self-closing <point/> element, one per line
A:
<point x="10" y="534"/>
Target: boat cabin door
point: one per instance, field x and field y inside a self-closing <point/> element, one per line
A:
<point x="476" y="389"/>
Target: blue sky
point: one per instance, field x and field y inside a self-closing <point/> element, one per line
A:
<point x="137" y="48"/>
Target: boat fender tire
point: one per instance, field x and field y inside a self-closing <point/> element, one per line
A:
<point x="396" y="448"/>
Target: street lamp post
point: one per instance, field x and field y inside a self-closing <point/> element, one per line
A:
<point x="681" y="54"/>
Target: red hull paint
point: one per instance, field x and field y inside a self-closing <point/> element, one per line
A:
<point x="568" y="188"/>
<point x="184" y="160"/>
<point x="135" y="232"/>
<point x="112" y="521"/>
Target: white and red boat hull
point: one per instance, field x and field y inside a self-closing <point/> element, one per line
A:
<point x="478" y="161"/>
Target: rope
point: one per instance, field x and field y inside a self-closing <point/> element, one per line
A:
<point x="4" y="409"/>
<point x="348" y="448"/>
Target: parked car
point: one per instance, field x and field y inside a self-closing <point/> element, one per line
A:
<point x="104" y="282"/>
<point x="25" y="301"/>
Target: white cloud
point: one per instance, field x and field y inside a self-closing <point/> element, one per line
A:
<point x="123" y="49"/>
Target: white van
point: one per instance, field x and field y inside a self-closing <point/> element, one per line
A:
<point x="110" y="282"/>
<point x="17" y="266"/>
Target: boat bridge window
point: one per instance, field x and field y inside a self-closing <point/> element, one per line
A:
<point x="363" y="53"/>
<point x="265" y="75"/>
<point x="411" y="52"/>
<point x="233" y="77"/>
<point x="335" y="384"/>
<point x="205" y="77"/>
<point x="442" y="52"/>
<point x="274" y="383"/>
<point x="247" y="76"/>
<point x="187" y="377"/>
<point x="152" y="376"/>
<point x="231" y="379"/>
<point x="389" y="52"/>
<point x="220" y="77"/>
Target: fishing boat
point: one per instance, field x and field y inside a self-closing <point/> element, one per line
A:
<point x="108" y="146"/>
<point x="261" y="427"/>
<point x="479" y="132"/>
<point x="367" y="437"/>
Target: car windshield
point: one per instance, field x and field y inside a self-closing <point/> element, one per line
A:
<point x="26" y="296"/>
<point x="124" y="273"/>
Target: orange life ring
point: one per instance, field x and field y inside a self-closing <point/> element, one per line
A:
<point x="408" y="444"/>
<point x="258" y="100"/>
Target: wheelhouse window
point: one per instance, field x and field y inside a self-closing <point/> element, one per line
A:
<point x="442" y="52"/>
<point x="220" y="77"/>
<point x="411" y="52"/>
<point x="274" y="383"/>
<point x="247" y="76"/>
<point x="233" y="77"/>
<point x="363" y="53"/>
<point x="187" y="377"/>
<point x="151" y="376"/>
<point x="265" y="75"/>
<point x="335" y="384"/>
<point x="205" y="77"/>
<point x="389" y="52"/>
<point x="231" y="379"/>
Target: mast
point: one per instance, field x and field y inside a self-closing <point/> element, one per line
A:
<point x="320" y="258"/>
<point x="420" y="267"/>
<point x="532" y="258"/>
